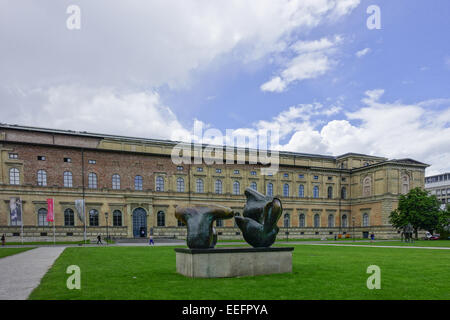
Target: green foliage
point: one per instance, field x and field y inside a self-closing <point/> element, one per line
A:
<point x="419" y="209"/>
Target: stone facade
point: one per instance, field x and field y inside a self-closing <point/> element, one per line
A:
<point x="351" y="194"/>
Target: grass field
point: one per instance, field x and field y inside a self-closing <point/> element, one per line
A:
<point x="4" y="252"/>
<point x="417" y="243"/>
<point x="319" y="272"/>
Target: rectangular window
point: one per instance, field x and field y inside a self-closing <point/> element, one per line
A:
<point x="330" y="178"/>
<point x="218" y="170"/>
<point x="67" y="159"/>
<point x="286" y="175"/>
<point x="13" y="156"/>
<point x="316" y="177"/>
<point x="253" y="173"/>
<point x="41" y="158"/>
<point x="236" y="171"/>
<point x="92" y="161"/>
<point x="199" y="169"/>
<point x="180" y="168"/>
<point x="344" y="179"/>
<point x="301" y="176"/>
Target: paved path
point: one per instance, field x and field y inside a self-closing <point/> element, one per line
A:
<point x="375" y="246"/>
<point x="22" y="272"/>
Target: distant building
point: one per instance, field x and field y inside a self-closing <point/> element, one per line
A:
<point x="439" y="185"/>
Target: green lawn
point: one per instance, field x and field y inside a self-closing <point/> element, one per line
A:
<point x="417" y="243"/>
<point x="319" y="272"/>
<point x="4" y="252"/>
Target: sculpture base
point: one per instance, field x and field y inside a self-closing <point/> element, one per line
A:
<point x="233" y="262"/>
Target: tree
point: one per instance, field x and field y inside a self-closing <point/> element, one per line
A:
<point x="419" y="209"/>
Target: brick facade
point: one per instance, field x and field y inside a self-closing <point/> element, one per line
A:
<point x="129" y="157"/>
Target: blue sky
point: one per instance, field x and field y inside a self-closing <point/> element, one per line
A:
<point x="310" y="68"/>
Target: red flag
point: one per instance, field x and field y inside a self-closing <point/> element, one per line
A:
<point x="50" y="216"/>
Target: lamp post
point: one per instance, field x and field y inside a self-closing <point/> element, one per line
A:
<point x="107" y="234"/>
<point x="353" y="221"/>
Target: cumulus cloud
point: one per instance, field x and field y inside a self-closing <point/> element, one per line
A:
<point x="362" y="52"/>
<point x="312" y="59"/>
<point x="393" y="130"/>
<point x="146" y="43"/>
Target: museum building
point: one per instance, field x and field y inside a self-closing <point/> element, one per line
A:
<point x="131" y="188"/>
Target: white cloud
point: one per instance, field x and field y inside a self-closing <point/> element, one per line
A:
<point x="147" y="43"/>
<point x="311" y="61"/>
<point x="362" y="52"/>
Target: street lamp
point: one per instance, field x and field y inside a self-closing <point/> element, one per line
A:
<point x="107" y="234"/>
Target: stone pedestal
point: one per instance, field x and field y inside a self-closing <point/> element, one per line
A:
<point x="233" y="262"/>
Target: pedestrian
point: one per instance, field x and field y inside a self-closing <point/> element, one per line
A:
<point x="3" y="239"/>
<point x="372" y="237"/>
<point x="99" y="239"/>
<point x="150" y="241"/>
<point x="335" y="237"/>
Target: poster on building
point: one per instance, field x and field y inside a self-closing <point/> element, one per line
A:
<point x="50" y="214"/>
<point x="15" y="206"/>
<point x="79" y="205"/>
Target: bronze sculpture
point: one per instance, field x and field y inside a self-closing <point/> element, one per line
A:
<point x="260" y="218"/>
<point x="199" y="221"/>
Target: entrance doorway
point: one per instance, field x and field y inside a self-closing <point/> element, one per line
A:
<point x="139" y="223"/>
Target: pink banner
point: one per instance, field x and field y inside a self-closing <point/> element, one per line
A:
<point x="50" y="216"/>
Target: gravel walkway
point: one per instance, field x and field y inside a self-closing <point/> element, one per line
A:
<point x="22" y="272"/>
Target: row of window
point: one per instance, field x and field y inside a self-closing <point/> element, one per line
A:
<point x="316" y="220"/>
<point x="180" y="184"/>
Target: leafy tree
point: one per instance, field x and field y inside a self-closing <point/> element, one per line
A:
<point x="419" y="209"/>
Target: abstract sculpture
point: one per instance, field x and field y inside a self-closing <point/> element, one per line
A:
<point x="260" y="217"/>
<point x="199" y="221"/>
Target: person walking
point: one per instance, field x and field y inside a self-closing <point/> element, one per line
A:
<point x="3" y="240"/>
<point x="99" y="239"/>
<point x="150" y="241"/>
<point x="372" y="237"/>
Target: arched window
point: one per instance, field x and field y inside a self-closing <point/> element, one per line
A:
<point x="200" y="186"/>
<point x="301" y="191"/>
<point x="254" y="186"/>
<point x="116" y="182"/>
<point x="287" y="220"/>
<point x="161" y="219"/>
<point x="270" y="189"/>
<point x="302" y="220"/>
<point x="138" y="183"/>
<point x="367" y="187"/>
<point x="93" y="218"/>
<point x="344" y="221"/>
<point x="330" y="221"/>
<point x="219" y="223"/>
<point x="316" y="192"/>
<point x="180" y="185"/>
<point x="42" y="178"/>
<point x="68" y="183"/>
<point x="92" y="180"/>
<point x="159" y="183"/>
<point x="365" y="220"/>
<point x="69" y="218"/>
<point x="286" y="190"/>
<point x="344" y="193"/>
<point x="117" y="218"/>
<point x="330" y="192"/>
<point x="42" y="217"/>
<point x="218" y="187"/>
<point x="14" y="176"/>
<point x="316" y="220"/>
<point x="236" y="187"/>
<point x="405" y="184"/>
